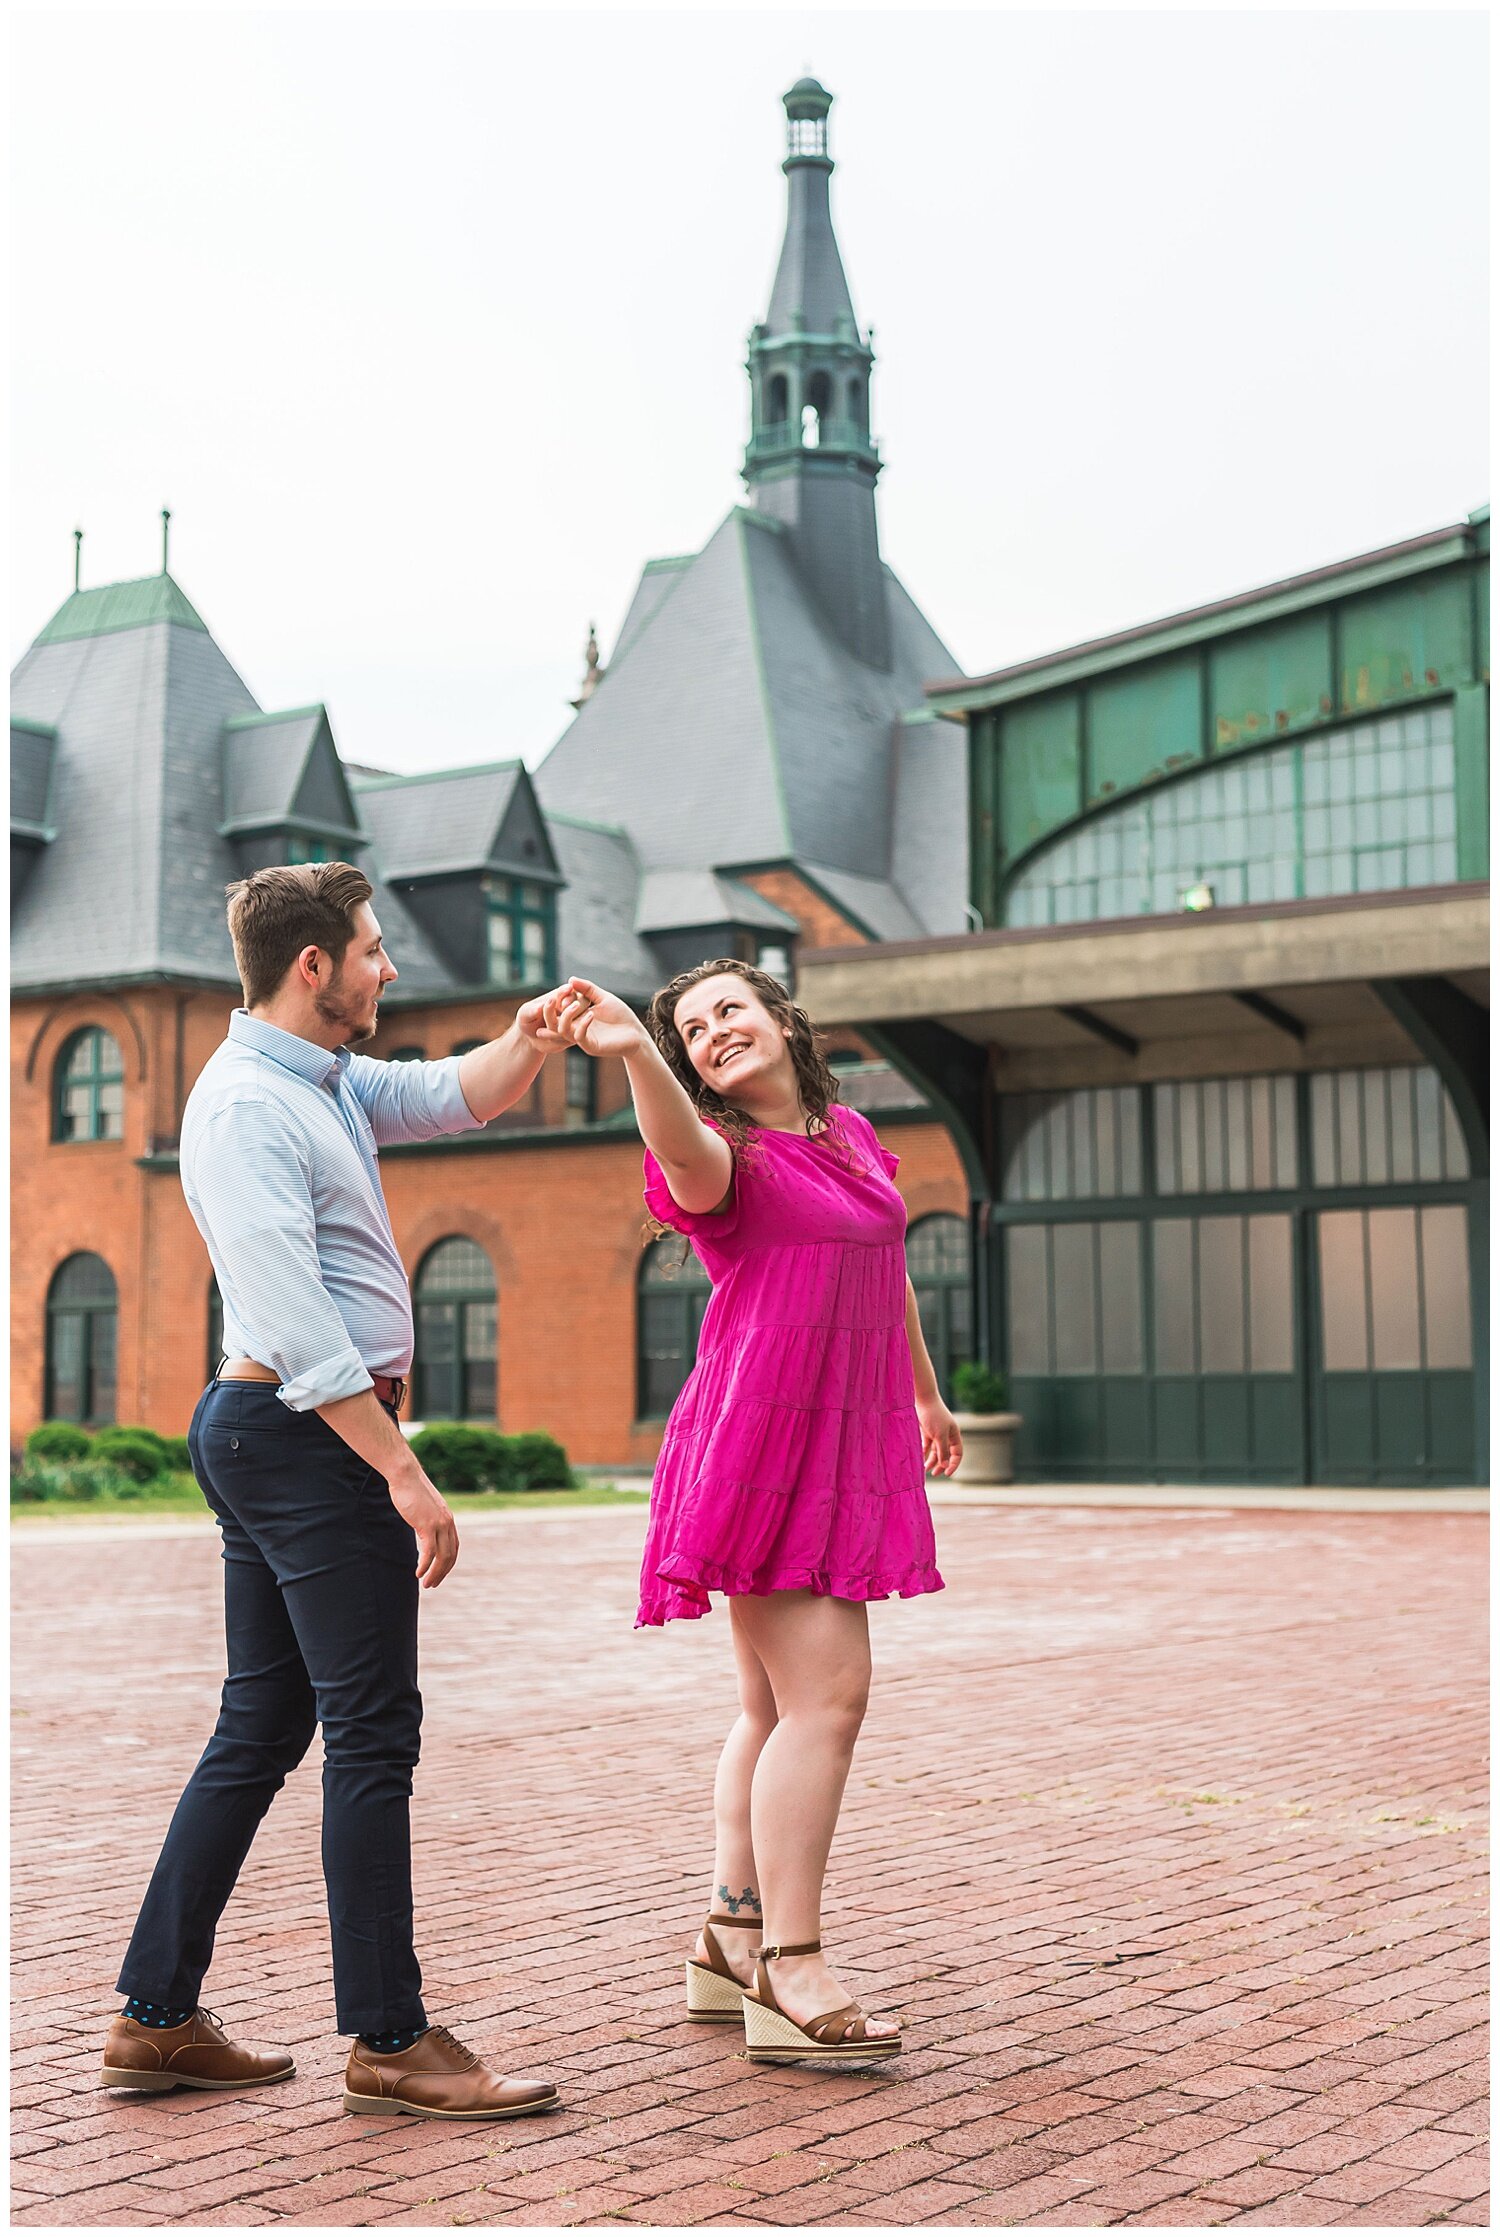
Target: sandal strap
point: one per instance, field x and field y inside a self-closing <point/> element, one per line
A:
<point x="722" y="1918"/>
<point x="833" y="2027"/>
<point x="789" y="1949"/>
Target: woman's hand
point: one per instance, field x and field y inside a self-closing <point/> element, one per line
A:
<point x="942" y="1445"/>
<point x="584" y="1016"/>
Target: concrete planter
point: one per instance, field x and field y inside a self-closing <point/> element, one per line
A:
<point x="989" y="1448"/>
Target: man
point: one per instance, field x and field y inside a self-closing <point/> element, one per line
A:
<point x="329" y="1524"/>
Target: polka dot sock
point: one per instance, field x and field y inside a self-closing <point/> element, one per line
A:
<point x="393" y="2039"/>
<point x="157" y="2015"/>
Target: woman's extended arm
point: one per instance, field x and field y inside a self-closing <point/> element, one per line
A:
<point x="942" y="1445"/>
<point x="696" y="1162"/>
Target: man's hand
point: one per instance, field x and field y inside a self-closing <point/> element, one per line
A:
<point x="369" y="1430"/>
<point x="420" y="1503"/>
<point x="942" y="1442"/>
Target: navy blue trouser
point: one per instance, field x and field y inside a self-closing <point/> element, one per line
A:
<point x="320" y="1621"/>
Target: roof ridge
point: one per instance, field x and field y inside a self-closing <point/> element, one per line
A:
<point x="436" y="776"/>
<point x="275" y="714"/>
<point x="585" y="823"/>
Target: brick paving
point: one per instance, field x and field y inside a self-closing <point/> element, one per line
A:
<point x="1164" y="1839"/>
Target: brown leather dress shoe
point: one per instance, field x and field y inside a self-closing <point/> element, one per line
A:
<point x="197" y="2055"/>
<point x="440" y="2078"/>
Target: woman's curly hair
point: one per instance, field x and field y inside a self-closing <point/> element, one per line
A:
<point x="817" y="1088"/>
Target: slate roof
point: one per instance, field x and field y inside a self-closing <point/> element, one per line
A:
<point x="680" y="900"/>
<point x="732" y="727"/>
<point x="596" y="935"/>
<point x="266" y="760"/>
<point x="440" y="824"/>
<point x="133" y="885"/>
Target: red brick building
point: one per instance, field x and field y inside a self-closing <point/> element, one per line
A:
<point x="754" y="774"/>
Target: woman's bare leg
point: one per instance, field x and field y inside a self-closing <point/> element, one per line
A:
<point x="736" y="1891"/>
<point x="815" y="1651"/>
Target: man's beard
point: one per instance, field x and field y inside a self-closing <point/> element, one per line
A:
<point x="334" y="1010"/>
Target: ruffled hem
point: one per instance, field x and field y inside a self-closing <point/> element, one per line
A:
<point x="685" y="1581"/>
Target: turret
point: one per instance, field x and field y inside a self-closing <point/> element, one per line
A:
<point x="811" y="460"/>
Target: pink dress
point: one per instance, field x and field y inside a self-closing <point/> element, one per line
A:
<point x="793" y="1458"/>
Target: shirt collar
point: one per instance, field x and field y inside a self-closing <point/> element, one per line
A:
<point x="324" y="1067"/>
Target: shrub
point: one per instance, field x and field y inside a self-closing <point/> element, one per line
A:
<point x="179" y="1459"/>
<point x="72" y="1482"/>
<point x="58" y="1440"/>
<point x="539" y="1463"/>
<point x="138" y="1453"/>
<point x="460" y="1457"/>
<point x="977" y="1389"/>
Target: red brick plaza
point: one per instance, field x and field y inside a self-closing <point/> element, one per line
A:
<point x="1164" y="1837"/>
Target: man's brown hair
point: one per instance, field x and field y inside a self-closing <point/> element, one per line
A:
<point x="275" y="914"/>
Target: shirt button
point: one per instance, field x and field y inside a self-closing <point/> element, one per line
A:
<point x="234" y="1444"/>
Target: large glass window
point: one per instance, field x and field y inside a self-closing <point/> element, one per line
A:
<point x="580" y="1088"/>
<point x="456" y="1334"/>
<point x="1358" y="810"/>
<point x="937" y="1259"/>
<point x="1073" y="1295"/>
<point x="89" y="1097"/>
<point x="674" y="1294"/>
<point x="521" y="942"/>
<point x="1388" y="1123"/>
<point x="1083" y="1142"/>
<point x="82" y="1318"/>
<point x="1222" y="1295"/>
<point x="1394" y="1284"/>
<point x="1216" y="1135"/>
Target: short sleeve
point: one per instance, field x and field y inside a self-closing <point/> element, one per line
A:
<point x="663" y="1205"/>
<point x="888" y="1159"/>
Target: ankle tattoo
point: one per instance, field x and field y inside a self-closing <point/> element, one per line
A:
<point x="748" y="1901"/>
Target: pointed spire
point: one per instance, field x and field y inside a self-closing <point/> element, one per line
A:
<point x="593" y="674"/>
<point x="811" y="460"/>
<point x="78" y="559"/>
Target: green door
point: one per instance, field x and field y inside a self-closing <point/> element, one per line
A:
<point x="1394" y="1385"/>
<point x="1226" y="1393"/>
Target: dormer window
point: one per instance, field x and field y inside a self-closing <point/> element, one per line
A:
<point x="300" y="849"/>
<point x="521" y="922"/>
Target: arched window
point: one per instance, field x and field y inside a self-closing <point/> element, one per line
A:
<point x="89" y="1099"/>
<point x="779" y="408"/>
<point x="937" y="1259"/>
<point x="674" y="1293"/>
<point x="215" y="1326"/>
<point x="407" y="1056"/>
<point x="462" y="1048"/>
<point x="1364" y="809"/>
<point x="857" y="404"/>
<point x="455" y="1376"/>
<point x="818" y="407"/>
<point x="82" y="1313"/>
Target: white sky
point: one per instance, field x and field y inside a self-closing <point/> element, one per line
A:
<point x="430" y="327"/>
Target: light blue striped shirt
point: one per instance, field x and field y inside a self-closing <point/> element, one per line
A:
<point x="280" y="1167"/>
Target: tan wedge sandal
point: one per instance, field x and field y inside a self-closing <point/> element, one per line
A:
<point x="714" y="1990"/>
<point x="772" y="2034"/>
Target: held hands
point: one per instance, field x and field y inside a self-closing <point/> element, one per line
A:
<point x="583" y="1016"/>
<point x="942" y="1445"/>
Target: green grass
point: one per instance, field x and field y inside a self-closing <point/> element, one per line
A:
<point x="179" y="1495"/>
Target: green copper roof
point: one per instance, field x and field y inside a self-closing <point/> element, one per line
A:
<point x="97" y="613"/>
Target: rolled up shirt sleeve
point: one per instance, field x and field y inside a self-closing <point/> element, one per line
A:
<point x="253" y="1201"/>
<point x="410" y="1102"/>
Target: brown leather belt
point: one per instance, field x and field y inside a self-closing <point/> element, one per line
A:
<point x="389" y="1389"/>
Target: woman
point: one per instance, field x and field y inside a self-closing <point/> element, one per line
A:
<point x="791" y="1474"/>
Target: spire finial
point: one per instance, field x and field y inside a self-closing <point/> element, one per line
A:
<point x="77" y="558"/>
<point x="593" y="674"/>
<point x="166" y="524"/>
